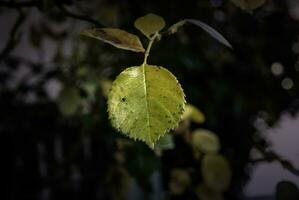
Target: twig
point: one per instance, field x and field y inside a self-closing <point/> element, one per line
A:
<point x="146" y="54"/>
<point x="11" y="44"/>
<point x="17" y="5"/>
<point x="77" y="16"/>
<point x="13" y="39"/>
<point x="270" y="156"/>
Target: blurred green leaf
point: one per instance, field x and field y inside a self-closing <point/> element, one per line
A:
<point x="205" y="193"/>
<point x="194" y="114"/>
<point x="68" y="101"/>
<point x="165" y="142"/>
<point x="248" y="5"/>
<point x="180" y="180"/>
<point x="116" y="37"/>
<point x="204" y="141"/>
<point x="105" y="86"/>
<point x="216" y="172"/>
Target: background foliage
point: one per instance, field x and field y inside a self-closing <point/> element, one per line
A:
<point x="60" y="145"/>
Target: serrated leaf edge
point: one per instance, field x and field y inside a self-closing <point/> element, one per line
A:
<point x="152" y="146"/>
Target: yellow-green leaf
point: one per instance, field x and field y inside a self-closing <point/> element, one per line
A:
<point x="194" y="114"/>
<point x="165" y="142"/>
<point x="145" y="102"/>
<point x="149" y="24"/>
<point x="116" y="37"/>
<point x="205" y="141"/>
<point x="216" y="172"/>
<point x="105" y="86"/>
<point x="68" y="101"/>
<point x="248" y="5"/>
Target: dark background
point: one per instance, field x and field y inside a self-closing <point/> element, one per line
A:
<point x="48" y="155"/>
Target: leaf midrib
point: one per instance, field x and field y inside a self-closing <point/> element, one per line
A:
<point x="146" y="102"/>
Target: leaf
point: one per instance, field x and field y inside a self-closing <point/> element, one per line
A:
<point x="68" y="101"/>
<point x="248" y="5"/>
<point x="116" y="37"/>
<point x="149" y="24"/>
<point x="105" y="86"/>
<point x="180" y="181"/>
<point x="205" y="141"/>
<point x="216" y="172"/>
<point x="119" y="181"/>
<point x="145" y="102"/>
<point x="141" y="163"/>
<point x="165" y="142"/>
<point x="194" y="114"/>
<point x="205" y="193"/>
<point x="215" y="34"/>
<point x="90" y="88"/>
<point x="286" y="190"/>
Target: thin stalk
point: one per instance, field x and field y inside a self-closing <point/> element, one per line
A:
<point x="148" y="49"/>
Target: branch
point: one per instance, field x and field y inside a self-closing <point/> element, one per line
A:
<point x="77" y="16"/>
<point x="270" y="156"/>
<point x="13" y="39"/>
<point x="11" y="44"/>
<point x="17" y="5"/>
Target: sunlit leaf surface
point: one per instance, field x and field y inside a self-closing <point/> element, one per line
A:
<point x="145" y="102"/>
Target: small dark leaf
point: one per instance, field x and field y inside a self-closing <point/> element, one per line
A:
<point x="215" y="34"/>
<point x="286" y="190"/>
<point x="165" y="142"/>
<point x="68" y="101"/>
<point x="116" y="37"/>
<point x="149" y="24"/>
<point x="248" y="5"/>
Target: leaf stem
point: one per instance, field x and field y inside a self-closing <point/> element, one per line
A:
<point x="146" y="54"/>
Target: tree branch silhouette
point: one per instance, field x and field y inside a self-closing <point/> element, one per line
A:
<point x="77" y="16"/>
<point x="12" y="41"/>
<point x="270" y="156"/>
<point x="14" y="37"/>
<point x="17" y="5"/>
